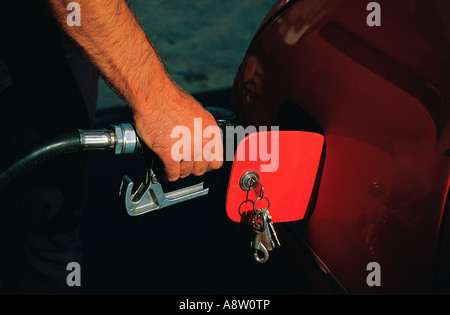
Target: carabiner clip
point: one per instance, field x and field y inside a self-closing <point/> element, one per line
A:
<point x="258" y="248"/>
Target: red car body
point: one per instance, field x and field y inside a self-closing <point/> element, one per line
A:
<point x="380" y="96"/>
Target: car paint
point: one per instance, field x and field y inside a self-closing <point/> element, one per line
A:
<point x="379" y="95"/>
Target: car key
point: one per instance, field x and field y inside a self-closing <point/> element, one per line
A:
<point x="271" y="228"/>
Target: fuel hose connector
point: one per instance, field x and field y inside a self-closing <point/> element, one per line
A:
<point x="122" y="139"/>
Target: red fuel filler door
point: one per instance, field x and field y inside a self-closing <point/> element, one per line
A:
<point x="279" y="166"/>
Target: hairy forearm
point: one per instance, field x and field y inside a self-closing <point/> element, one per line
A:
<point x="117" y="45"/>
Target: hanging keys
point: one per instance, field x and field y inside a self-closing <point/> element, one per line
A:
<point x="265" y="233"/>
<point x="261" y="221"/>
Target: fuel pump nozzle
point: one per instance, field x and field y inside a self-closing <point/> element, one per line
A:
<point x="121" y="139"/>
<point x="150" y="195"/>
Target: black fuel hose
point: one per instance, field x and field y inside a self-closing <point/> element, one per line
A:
<point x="60" y="145"/>
<point x="122" y="139"/>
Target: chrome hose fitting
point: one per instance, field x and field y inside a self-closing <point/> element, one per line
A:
<point x="121" y="138"/>
<point x="97" y="140"/>
<point x="127" y="140"/>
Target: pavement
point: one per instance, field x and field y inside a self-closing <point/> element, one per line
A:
<point x="201" y="42"/>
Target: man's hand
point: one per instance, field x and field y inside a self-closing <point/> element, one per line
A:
<point x="172" y="108"/>
<point x="116" y="44"/>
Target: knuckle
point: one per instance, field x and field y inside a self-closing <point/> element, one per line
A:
<point x="199" y="169"/>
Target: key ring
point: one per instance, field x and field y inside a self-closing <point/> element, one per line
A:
<point x="259" y="213"/>
<point x="257" y="224"/>
<point x="261" y="191"/>
<point x="261" y="198"/>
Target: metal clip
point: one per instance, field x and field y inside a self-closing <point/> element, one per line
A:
<point x="150" y="195"/>
<point x="262" y="238"/>
<point x="258" y="248"/>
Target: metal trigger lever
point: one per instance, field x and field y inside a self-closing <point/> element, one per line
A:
<point x="150" y="196"/>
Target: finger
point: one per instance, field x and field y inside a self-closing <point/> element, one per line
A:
<point x="172" y="171"/>
<point x="215" y="161"/>
<point x="186" y="168"/>
<point x="214" y="165"/>
<point x="199" y="168"/>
